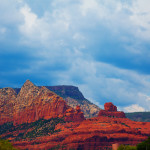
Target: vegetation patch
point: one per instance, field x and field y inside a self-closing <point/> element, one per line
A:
<point x="38" y="128"/>
<point x="127" y="147"/>
<point x="6" y="145"/>
<point x="145" y="145"/>
<point x="125" y="124"/>
<point x="6" y="127"/>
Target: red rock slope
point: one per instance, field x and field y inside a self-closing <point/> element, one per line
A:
<point x="34" y="103"/>
<point x="95" y="133"/>
<point x="7" y="102"/>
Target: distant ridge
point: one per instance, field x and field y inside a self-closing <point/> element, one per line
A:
<point x="63" y="91"/>
<point x="139" y="116"/>
<point x="67" y="91"/>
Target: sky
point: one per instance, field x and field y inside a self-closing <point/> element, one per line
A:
<point x="100" y="46"/>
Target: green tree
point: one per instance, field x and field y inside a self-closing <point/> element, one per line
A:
<point x="127" y="147"/>
<point x="6" y="145"/>
<point x="144" y="145"/>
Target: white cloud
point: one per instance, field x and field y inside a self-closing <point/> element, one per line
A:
<point x="141" y="18"/>
<point x="103" y="82"/>
<point x="134" y="108"/>
<point x="50" y="30"/>
<point x="64" y="32"/>
<point x="33" y="29"/>
<point x="30" y="18"/>
<point x="9" y="11"/>
<point x="71" y="20"/>
<point x="3" y="30"/>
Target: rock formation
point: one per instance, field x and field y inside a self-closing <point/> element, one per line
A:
<point x="111" y="111"/>
<point x="33" y="103"/>
<point x="74" y="132"/>
<point x="94" y="133"/>
<point x="89" y="109"/>
<point x="75" y="115"/>
<point x="7" y="102"/>
<point x="110" y="107"/>
<point x="74" y="97"/>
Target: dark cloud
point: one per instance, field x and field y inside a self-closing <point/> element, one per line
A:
<point x="99" y="46"/>
<point x="126" y="53"/>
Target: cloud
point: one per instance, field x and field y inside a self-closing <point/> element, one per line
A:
<point x="2" y="30"/>
<point x="101" y="82"/>
<point x="50" y="30"/>
<point x="101" y="46"/>
<point x="141" y="18"/>
<point x="108" y="30"/>
<point x="10" y="12"/>
<point x="134" y="108"/>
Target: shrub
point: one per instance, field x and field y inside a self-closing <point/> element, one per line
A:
<point x="127" y="147"/>
<point x="144" y="145"/>
<point x="6" y="145"/>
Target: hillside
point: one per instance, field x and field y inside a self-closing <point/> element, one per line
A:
<point x="74" y="97"/>
<point x="37" y="118"/>
<point x="111" y="126"/>
<point x="139" y="116"/>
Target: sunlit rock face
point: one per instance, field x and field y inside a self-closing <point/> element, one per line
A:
<point x="111" y="111"/>
<point x="7" y="102"/>
<point x="75" y="115"/>
<point x="33" y="103"/>
<point x="74" y="98"/>
<point x="110" y="106"/>
<point x="94" y="133"/>
<point x="75" y="132"/>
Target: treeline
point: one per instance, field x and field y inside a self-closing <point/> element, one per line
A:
<point x="145" y="145"/>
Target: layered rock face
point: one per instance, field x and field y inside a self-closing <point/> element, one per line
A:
<point x="7" y="102"/>
<point x="75" y="132"/>
<point x="34" y="103"/>
<point x="89" y="109"/>
<point x="94" y="133"/>
<point x="75" y="115"/>
<point x="74" y="97"/>
<point x="110" y="107"/>
<point x="111" y="111"/>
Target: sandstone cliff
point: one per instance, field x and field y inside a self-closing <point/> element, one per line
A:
<point x="94" y="133"/>
<point x="74" y="97"/>
<point x="43" y="120"/>
<point x="7" y="102"/>
<point x="38" y="118"/>
<point x="33" y="103"/>
<point x="89" y="109"/>
<point x="111" y="111"/>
